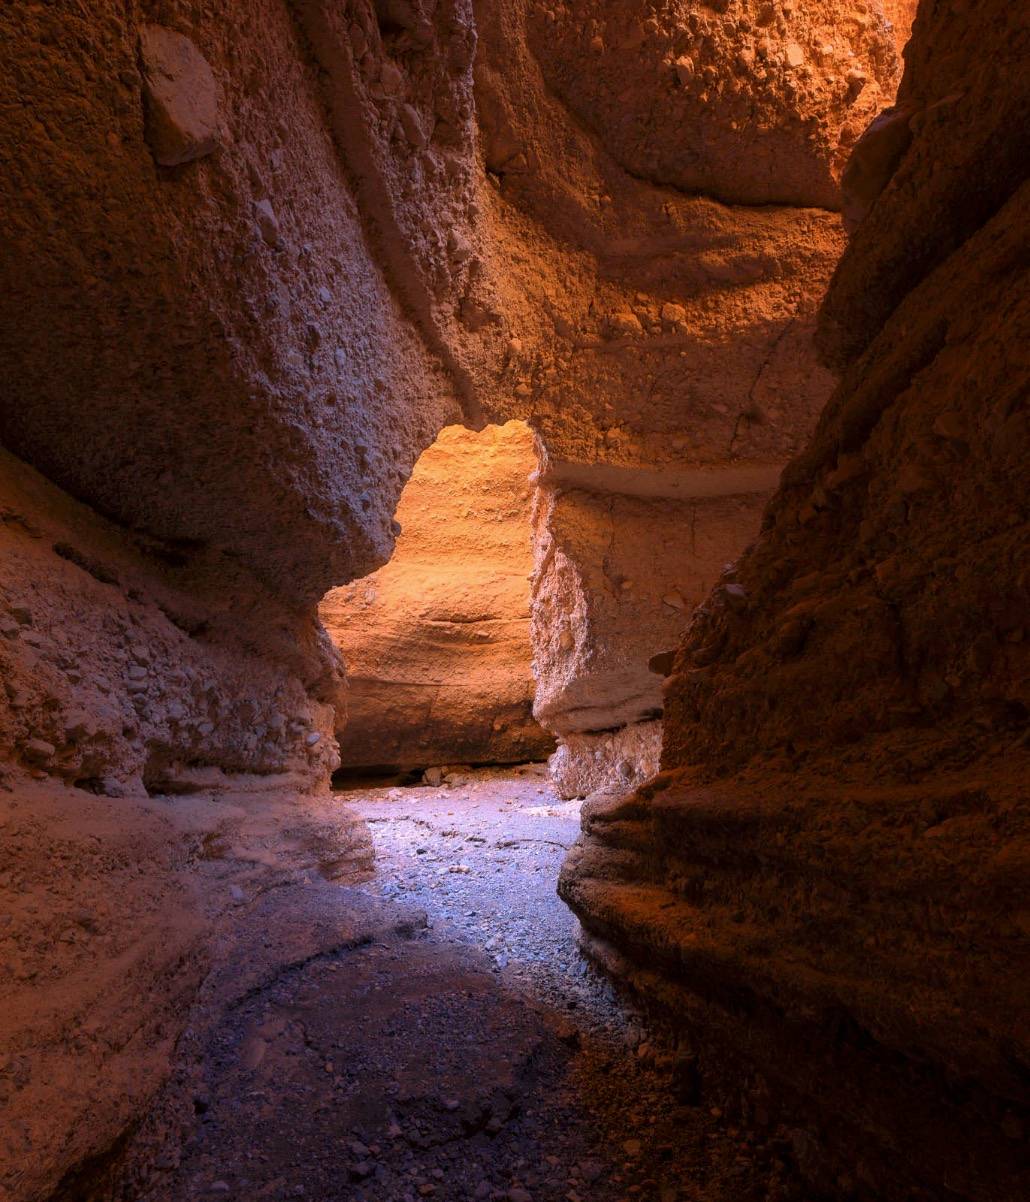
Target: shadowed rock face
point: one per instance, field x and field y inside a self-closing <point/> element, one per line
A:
<point x="437" y="642"/>
<point x="828" y="881"/>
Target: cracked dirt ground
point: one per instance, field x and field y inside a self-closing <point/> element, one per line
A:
<point x="458" y="1046"/>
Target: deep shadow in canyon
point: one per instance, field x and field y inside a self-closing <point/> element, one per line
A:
<point x="679" y="350"/>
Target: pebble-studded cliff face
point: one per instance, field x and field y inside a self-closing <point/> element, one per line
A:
<point x="829" y="879"/>
<point x="202" y="343"/>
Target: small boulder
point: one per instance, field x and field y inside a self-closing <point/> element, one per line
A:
<point x="624" y="324"/>
<point x="685" y="70"/>
<point x="268" y="223"/>
<point x="662" y="663"/>
<point x="38" y="751"/>
<point x="736" y="597"/>
<point x="181" y="97"/>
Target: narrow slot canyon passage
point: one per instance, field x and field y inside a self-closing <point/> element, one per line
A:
<point x="514" y="601"/>
<point x="464" y="1048"/>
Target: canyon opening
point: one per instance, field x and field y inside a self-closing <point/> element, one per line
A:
<point x="514" y="601"/>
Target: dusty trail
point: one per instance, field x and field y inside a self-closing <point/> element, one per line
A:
<point x="458" y="1047"/>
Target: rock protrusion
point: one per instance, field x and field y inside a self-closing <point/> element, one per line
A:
<point x="874" y="160"/>
<point x="181" y="96"/>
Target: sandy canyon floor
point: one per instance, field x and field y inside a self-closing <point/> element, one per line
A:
<point x="461" y="1048"/>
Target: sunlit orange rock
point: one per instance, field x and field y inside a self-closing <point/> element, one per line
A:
<point x="436" y="643"/>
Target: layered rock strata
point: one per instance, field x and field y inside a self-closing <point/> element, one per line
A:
<point x="827" y="884"/>
<point x="615" y="580"/>
<point x="436" y="643"/>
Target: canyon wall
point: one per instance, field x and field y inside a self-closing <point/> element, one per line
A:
<point x="213" y="386"/>
<point x="436" y="643"/>
<point x="256" y="257"/>
<point x="662" y="192"/>
<point x="827" y="883"/>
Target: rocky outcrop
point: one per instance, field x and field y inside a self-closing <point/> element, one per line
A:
<point x="827" y="883"/>
<point x="437" y="642"/>
<point x="228" y="311"/>
<point x="662" y="339"/>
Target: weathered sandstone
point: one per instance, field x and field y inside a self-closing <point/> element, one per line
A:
<point x="436" y="643"/>
<point x="828" y="882"/>
<point x="257" y="256"/>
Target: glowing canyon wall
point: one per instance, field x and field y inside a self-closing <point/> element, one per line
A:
<point x="436" y="643"/>
<point x="827" y="883"/>
<point x="666" y="188"/>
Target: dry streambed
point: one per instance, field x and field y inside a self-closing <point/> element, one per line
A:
<point x="456" y="1046"/>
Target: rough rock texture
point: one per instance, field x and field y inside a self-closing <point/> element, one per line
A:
<point x="252" y="264"/>
<point x="221" y="391"/>
<point x="436" y="643"/>
<point x="226" y="312"/>
<point x="764" y="99"/>
<point x="661" y="339"/>
<point x="104" y="957"/>
<point x="608" y="761"/>
<point x="901" y="14"/>
<point x="615" y="580"/>
<point x="125" y="665"/>
<point x="828" y="883"/>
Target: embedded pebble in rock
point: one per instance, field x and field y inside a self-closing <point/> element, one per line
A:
<point x="181" y="96"/>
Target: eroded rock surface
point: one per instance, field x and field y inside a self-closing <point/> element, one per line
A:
<point x="615" y="580"/>
<point x="253" y="264"/>
<point x="662" y="343"/>
<point x="436" y="643"/>
<point x="118" y="913"/>
<point x="828" y="880"/>
<point x="764" y="99"/>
